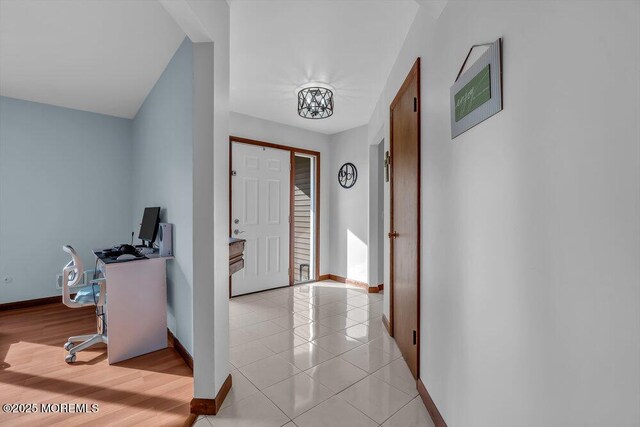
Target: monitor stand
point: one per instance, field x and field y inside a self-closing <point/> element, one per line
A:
<point x="144" y="245"/>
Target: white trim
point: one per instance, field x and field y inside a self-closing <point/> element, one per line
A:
<point x="435" y="7"/>
<point x="187" y="20"/>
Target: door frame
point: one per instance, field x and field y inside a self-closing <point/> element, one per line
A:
<point x="415" y="72"/>
<point x="292" y="153"/>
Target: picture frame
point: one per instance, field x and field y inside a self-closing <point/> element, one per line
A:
<point x="476" y="94"/>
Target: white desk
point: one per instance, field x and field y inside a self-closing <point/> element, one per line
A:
<point x="136" y="306"/>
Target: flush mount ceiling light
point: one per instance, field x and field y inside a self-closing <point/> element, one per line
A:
<point x="315" y="101"/>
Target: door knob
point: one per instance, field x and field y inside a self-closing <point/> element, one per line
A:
<point x="236" y="231"/>
<point x="393" y="235"/>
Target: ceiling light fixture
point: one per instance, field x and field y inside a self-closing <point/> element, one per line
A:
<point x="315" y="102"/>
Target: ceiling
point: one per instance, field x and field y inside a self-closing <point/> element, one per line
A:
<point x="105" y="56"/>
<point x="277" y="45"/>
<point x="88" y="55"/>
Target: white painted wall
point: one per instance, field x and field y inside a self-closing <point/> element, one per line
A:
<point x="350" y="207"/>
<point x="206" y="23"/>
<point x="210" y="195"/>
<point x="374" y="219"/>
<point x="377" y="211"/>
<point x="530" y="241"/>
<point x="64" y="179"/>
<point x="162" y="172"/>
<point x="250" y="127"/>
<point x="376" y="214"/>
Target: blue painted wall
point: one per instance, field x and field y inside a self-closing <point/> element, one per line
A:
<point x="65" y="178"/>
<point x="163" y="176"/>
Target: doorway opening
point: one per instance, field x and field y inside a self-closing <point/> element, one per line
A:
<point x="274" y="205"/>
<point x="304" y="218"/>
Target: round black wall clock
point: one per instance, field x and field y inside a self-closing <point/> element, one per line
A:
<point x="347" y="175"/>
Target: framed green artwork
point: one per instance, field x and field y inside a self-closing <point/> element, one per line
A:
<point x="476" y="94"/>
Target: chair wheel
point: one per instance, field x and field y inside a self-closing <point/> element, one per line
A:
<point x="68" y="346"/>
<point x="70" y="358"/>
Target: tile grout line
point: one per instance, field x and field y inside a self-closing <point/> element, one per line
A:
<point x="335" y="394"/>
<point x="293" y="300"/>
<point x="401" y="408"/>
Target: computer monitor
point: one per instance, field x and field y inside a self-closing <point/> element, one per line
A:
<point x="149" y="226"/>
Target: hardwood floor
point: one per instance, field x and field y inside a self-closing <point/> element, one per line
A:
<point x="154" y="389"/>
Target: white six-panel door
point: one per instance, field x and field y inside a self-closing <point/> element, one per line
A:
<point x="260" y="186"/>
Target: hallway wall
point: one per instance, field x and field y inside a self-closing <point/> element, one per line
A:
<point x="530" y="241"/>
<point x="350" y="207"/>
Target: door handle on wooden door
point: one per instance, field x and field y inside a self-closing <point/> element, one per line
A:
<point x="393" y="235"/>
<point x="236" y="232"/>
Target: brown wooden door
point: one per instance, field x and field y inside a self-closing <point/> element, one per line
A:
<point x="405" y="218"/>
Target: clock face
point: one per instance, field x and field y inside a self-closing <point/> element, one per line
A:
<point x="347" y="175"/>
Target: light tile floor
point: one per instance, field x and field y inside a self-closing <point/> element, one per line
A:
<point x="315" y="355"/>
